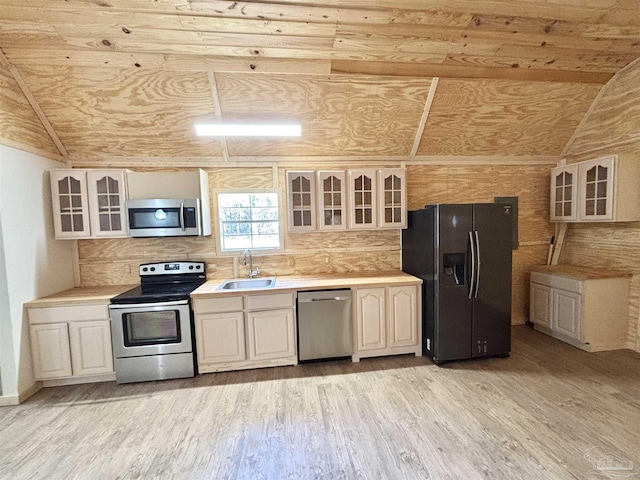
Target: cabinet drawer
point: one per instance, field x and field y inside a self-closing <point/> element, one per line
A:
<point x="557" y="281"/>
<point x="217" y="305"/>
<point x="66" y="314"/>
<point x="264" y="302"/>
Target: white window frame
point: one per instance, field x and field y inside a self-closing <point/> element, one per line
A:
<point x="218" y="223"/>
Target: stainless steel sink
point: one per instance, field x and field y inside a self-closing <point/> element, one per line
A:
<point x="248" y="283"/>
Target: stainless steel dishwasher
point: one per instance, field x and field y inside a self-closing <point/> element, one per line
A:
<point x="324" y="324"/>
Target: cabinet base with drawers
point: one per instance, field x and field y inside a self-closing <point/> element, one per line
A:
<point x="587" y="308"/>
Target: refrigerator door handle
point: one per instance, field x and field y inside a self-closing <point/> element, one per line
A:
<point x="472" y="281"/>
<point x="478" y="263"/>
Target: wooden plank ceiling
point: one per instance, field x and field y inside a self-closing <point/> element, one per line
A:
<point x="128" y="78"/>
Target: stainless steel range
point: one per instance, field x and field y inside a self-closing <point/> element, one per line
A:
<point x="152" y="324"/>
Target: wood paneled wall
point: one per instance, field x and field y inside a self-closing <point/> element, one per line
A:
<point x="613" y="126"/>
<point x="20" y="127"/>
<point x="442" y="184"/>
<point x="116" y="260"/>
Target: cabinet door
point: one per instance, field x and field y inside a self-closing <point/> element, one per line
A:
<point x="220" y="338"/>
<point x="540" y="301"/>
<point x="301" y="204"/>
<point x="91" y="349"/>
<point x="362" y="199"/>
<point x="564" y="192"/>
<point x="69" y="204"/>
<point x="271" y="334"/>
<point x="332" y="205"/>
<point x="107" y="194"/>
<point x="567" y="314"/>
<point x="596" y="189"/>
<point x="370" y="318"/>
<point x="392" y="198"/>
<point x="50" y="351"/>
<point x="403" y="316"/>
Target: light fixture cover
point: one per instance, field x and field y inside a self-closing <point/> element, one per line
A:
<point x="247" y="130"/>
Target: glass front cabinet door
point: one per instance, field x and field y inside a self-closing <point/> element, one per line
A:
<point x="362" y="199"/>
<point x="70" y="204"/>
<point x="332" y="205"/>
<point x="564" y="188"/>
<point x="392" y="198"/>
<point x="301" y="205"/>
<point x="596" y="195"/>
<point x="106" y="190"/>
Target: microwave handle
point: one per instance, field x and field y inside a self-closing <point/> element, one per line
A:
<point x="182" y="216"/>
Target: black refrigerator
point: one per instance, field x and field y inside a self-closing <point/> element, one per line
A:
<point x="463" y="255"/>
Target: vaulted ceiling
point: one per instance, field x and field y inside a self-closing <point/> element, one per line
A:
<point x="366" y="78"/>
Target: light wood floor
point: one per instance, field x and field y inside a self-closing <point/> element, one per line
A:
<point x="547" y="412"/>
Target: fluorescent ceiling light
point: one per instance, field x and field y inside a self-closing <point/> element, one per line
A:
<point x="247" y="130"/>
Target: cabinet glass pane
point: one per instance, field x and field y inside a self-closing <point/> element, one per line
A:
<point x="306" y="218"/>
<point x="590" y="207"/>
<point x="327" y="198"/>
<point x="368" y="218"/>
<point x="358" y="183"/>
<point x="567" y="192"/>
<point x="113" y="185"/>
<point x="559" y="180"/>
<point x="601" y="208"/>
<point x="602" y="189"/>
<point x="359" y="216"/>
<point x="101" y="185"/>
<point x="297" y="200"/>
<point x="76" y="201"/>
<point x="367" y="183"/>
<point x="367" y="198"/>
<point x="397" y="184"/>
<point x="397" y="215"/>
<point x="115" y="222"/>
<point x="63" y="185"/>
<point x="306" y="199"/>
<point x="602" y="173"/>
<point x="559" y="194"/>
<point x="591" y="175"/>
<point x="78" y="224"/>
<point x="358" y="198"/>
<point x="296" y="185"/>
<point x="591" y="190"/>
<point x="388" y="183"/>
<point x="388" y="198"/>
<point x="306" y="185"/>
<point x="104" y="222"/>
<point x="567" y="209"/>
<point x="397" y="197"/>
<point x="297" y="218"/>
<point x="65" y="223"/>
<point x="558" y="209"/>
<point x="64" y="202"/>
<point x="388" y="215"/>
<point x="337" y="201"/>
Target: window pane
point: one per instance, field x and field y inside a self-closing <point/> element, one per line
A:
<point x="249" y="220"/>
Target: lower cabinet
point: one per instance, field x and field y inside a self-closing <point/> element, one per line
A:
<point x="245" y="331"/>
<point x="587" y="309"/>
<point x="387" y="321"/>
<point x="71" y="342"/>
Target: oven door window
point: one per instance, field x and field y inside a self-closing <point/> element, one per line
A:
<point x="151" y="328"/>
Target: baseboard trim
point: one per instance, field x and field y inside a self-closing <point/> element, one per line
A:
<point x="18" y="399"/>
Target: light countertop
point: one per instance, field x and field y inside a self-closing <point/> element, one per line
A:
<point x="81" y="295"/>
<point x="317" y="282"/>
<point x="580" y="272"/>
<point x="104" y="294"/>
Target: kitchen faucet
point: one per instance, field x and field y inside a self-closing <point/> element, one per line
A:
<point x="252" y="272"/>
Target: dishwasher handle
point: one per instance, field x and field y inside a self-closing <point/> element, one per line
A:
<point x="324" y="296"/>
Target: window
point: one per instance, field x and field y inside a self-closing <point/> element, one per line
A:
<point x="249" y="220"/>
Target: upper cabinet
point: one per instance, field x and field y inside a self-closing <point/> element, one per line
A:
<point x="339" y="200"/>
<point x="392" y="194"/>
<point x="564" y="182"/>
<point x="362" y="199"/>
<point x="88" y="203"/>
<point x="599" y="190"/>
<point x="332" y="200"/>
<point x="301" y="201"/>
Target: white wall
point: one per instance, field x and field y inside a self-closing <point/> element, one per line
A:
<point x="32" y="263"/>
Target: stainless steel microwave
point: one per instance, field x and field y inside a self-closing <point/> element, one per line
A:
<point x="163" y="217"/>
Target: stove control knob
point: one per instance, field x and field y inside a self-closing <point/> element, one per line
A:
<point x="153" y="269"/>
<point x="144" y="269"/>
<point x="190" y="267"/>
<point x="198" y="267"/>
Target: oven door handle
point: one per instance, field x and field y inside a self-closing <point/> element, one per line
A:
<point x="182" y="222"/>
<point x="122" y="306"/>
